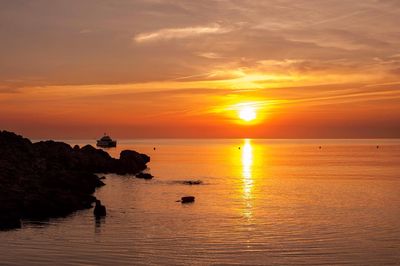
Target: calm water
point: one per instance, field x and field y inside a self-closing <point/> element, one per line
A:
<point x="270" y="202"/>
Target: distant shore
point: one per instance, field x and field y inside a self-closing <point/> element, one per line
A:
<point x="51" y="179"/>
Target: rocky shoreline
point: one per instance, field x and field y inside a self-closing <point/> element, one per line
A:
<point x="51" y="179"/>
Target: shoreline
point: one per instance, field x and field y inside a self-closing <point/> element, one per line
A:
<point x="49" y="179"/>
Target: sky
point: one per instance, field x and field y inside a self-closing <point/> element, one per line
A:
<point x="186" y="69"/>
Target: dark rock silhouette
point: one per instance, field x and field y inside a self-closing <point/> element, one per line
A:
<point x="9" y="220"/>
<point x="131" y="162"/>
<point x="192" y="182"/>
<point x="50" y="179"/>
<point x="144" y="175"/>
<point x="99" y="210"/>
<point x="187" y="199"/>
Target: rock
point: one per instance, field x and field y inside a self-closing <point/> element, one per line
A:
<point x="144" y="175"/>
<point x="10" y="221"/>
<point x="7" y="223"/>
<point x="187" y="199"/>
<point x="192" y="182"/>
<point x="95" y="160"/>
<point x="50" y="179"/>
<point x="99" y="183"/>
<point x="99" y="210"/>
<point x="131" y="162"/>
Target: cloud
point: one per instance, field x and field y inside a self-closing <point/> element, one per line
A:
<point x="210" y="55"/>
<point x="9" y="90"/>
<point x="85" y="31"/>
<point x="340" y="17"/>
<point x="180" y="33"/>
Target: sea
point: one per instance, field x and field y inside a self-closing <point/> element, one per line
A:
<point x="260" y="202"/>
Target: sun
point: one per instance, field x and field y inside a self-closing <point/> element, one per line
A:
<point x="247" y="113"/>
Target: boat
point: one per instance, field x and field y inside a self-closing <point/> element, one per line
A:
<point x="106" y="142"/>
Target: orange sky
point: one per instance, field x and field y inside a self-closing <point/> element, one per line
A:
<point x="163" y="68"/>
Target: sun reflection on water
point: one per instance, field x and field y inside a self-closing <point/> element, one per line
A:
<point x="247" y="162"/>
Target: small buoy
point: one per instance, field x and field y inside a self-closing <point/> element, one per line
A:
<point x="239" y="148"/>
<point x="154" y="148"/>
<point x="377" y="146"/>
<point x="320" y="147"/>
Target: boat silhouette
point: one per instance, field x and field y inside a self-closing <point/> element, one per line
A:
<point x="106" y="142"/>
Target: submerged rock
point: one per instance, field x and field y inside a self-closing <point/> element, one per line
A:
<point x="49" y="179"/>
<point x="192" y="182"/>
<point x="144" y="176"/>
<point x="187" y="199"/>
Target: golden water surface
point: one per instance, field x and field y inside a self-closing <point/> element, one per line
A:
<point x="262" y="202"/>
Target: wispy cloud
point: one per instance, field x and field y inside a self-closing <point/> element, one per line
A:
<point x="340" y="17"/>
<point x="85" y="31"/>
<point x="210" y="55"/>
<point x="180" y="33"/>
<point x="8" y="90"/>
